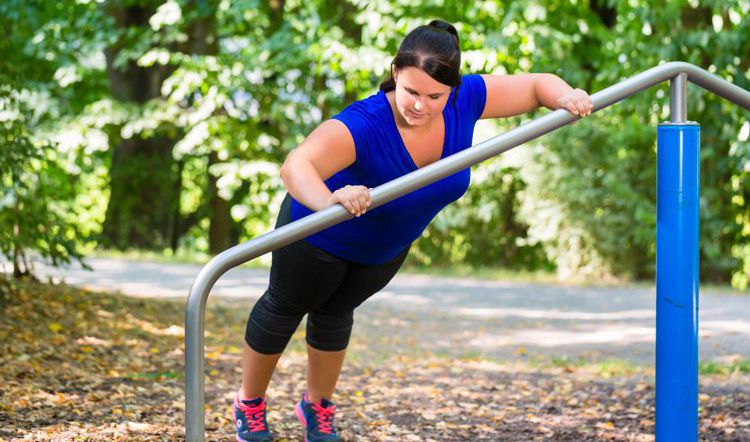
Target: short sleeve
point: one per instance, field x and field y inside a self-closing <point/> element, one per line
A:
<point x="472" y="96"/>
<point x="355" y="118"/>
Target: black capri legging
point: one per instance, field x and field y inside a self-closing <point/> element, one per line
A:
<point x="306" y="279"/>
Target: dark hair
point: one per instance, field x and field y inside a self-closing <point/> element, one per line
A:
<point x="433" y="48"/>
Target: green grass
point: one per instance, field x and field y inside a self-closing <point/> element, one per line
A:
<point x="456" y="271"/>
<point x="168" y="257"/>
<point x="619" y="367"/>
<point x="606" y="368"/>
<point x="156" y="376"/>
<point x="263" y="263"/>
<point x="712" y="367"/>
<point x="491" y="273"/>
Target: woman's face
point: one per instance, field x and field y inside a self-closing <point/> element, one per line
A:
<point x="419" y="97"/>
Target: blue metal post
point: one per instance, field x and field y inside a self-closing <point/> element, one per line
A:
<point x="677" y="282"/>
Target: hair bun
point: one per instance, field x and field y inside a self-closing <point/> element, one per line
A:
<point x="445" y="26"/>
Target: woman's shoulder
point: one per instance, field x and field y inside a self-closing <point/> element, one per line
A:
<point x="472" y="95"/>
<point x="371" y="107"/>
<point x="366" y="113"/>
<point x="472" y="84"/>
<point x="364" y="119"/>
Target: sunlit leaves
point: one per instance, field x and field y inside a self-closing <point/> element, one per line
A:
<point x="277" y="69"/>
<point x="168" y="13"/>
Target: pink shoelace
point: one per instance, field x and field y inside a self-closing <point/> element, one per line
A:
<point x="254" y="415"/>
<point x="324" y="417"/>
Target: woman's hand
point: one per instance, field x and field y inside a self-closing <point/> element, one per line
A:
<point x="355" y="199"/>
<point x="577" y="102"/>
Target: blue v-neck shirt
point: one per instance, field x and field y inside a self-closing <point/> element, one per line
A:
<point x="382" y="233"/>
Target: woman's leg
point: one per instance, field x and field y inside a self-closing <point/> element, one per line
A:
<point x="329" y="326"/>
<point x="257" y="369"/>
<point x="302" y="277"/>
<point x="323" y="369"/>
<point x="278" y="312"/>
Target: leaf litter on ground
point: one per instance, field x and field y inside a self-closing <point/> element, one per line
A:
<point x="78" y="365"/>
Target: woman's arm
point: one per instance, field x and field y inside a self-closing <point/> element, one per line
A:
<point x="328" y="149"/>
<point x="509" y="95"/>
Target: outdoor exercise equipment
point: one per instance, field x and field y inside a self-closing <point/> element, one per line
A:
<point x="676" y="243"/>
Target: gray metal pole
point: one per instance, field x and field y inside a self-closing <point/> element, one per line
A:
<point x="221" y="263"/>
<point x="678" y="99"/>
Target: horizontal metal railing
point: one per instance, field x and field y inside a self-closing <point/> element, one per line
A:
<point x="221" y="263"/>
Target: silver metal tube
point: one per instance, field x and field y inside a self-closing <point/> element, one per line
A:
<point x="678" y="99"/>
<point x="221" y="263"/>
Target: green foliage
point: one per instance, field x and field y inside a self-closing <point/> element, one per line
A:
<point x="592" y="186"/>
<point x="234" y="85"/>
<point x="38" y="71"/>
<point x="482" y="227"/>
<point x="591" y="198"/>
<point x="35" y="209"/>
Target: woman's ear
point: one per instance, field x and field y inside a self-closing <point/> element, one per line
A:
<point x="394" y="73"/>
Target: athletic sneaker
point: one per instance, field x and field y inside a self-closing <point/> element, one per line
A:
<point x="250" y="419"/>
<point x="317" y="419"/>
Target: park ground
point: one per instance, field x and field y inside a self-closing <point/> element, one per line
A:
<point x="85" y="365"/>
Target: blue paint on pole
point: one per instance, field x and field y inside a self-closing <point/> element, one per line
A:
<point x="677" y="223"/>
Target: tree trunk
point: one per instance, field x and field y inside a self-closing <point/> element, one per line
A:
<point x="202" y="40"/>
<point x="220" y="227"/>
<point x="176" y="217"/>
<point x="143" y="172"/>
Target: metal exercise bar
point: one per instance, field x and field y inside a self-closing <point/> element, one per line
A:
<point x="678" y="99"/>
<point x="221" y="263"/>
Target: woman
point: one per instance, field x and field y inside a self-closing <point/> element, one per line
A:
<point x="425" y="111"/>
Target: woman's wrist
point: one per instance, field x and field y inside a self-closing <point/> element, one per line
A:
<point x="554" y="93"/>
<point x="548" y="88"/>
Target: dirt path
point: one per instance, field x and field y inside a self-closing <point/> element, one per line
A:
<point x="461" y="317"/>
